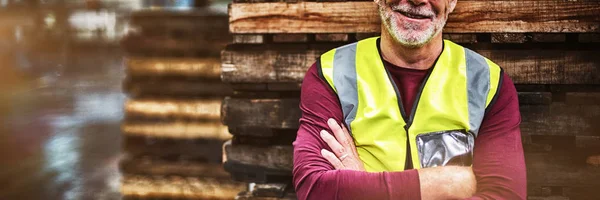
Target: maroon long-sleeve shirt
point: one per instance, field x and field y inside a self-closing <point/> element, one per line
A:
<point x="498" y="161"/>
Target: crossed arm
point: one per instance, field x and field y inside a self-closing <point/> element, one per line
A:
<point x="498" y="167"/>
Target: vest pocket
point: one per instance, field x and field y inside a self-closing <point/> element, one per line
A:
<point x="453" y="147"/>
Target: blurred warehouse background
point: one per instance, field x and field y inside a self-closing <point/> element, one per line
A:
<point x="61" y="103"/>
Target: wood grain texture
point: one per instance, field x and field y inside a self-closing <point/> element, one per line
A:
<point x="162" y="108"/>
<point x="267" y="113"/>
<point x="178" y="187"/>
<point x="248" y="39"/>
<point x="267" y="65"/>
<point x="470" y="16"/>
<point x="196" y="21"/>
<point x="289" y="64"/>
<point x="270" y="157"/>
<point x="558" y="168"/>
<point x="556" y="119"/>
<point x="175" y="88"/>
<point x="177" y="129"/>
<point x="136" y="45"/>
<point x="148" y="165"/>
<point x="559" y="119"/>
<point x="206" y="68"/>
<point x="183" y="149"/>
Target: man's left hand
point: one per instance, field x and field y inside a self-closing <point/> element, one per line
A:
<point x="344" y="154"/>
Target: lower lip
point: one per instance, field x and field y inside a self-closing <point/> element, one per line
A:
<point x="412" y="19"/>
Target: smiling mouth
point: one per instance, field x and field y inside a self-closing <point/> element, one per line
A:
<point x="412" y="15"/>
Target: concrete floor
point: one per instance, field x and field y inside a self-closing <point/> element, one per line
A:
<point x="59" y="126"/>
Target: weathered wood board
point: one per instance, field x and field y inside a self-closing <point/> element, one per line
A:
<point x="169" y="108"/>
<point x="148" y="165"/>
<point x="186" y="23"/>
<point x="206" y="68"/>
<point x="140" y="45"/>
<point x="177" y="129"/>
<point x="271" y="157"/>
<point x="290" y="63"/>
<point x="175" y="88"/>
<point x="470" y="16"/>
<point x="200" y="150"/>
<point x="267" y="113"/>
<point x="557" y="119"/>
<point x="566" y="168"/>
<point x="177" y="187"/>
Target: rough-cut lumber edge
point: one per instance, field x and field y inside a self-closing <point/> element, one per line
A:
<point x="179" y="130"/>
<point x="290" y="38"/>
<point x="270" y="65"/>
<point x="156" y="108"/>
<point x="509" y="38"/>
<point x="148" y="165"/>
<point x="172" y="87"/>
<point x="461" y="37"/>
<point x="332" y="37"/>
<point x="248" y="39"/>
<point x="557" y="119"/>
<point x="179" y="187"/>
<point x="142" y="45"/>
<point x="268" y="113"/>
<point x="279" y="64"/>
<point x="201" y="150"/>
<point x="195" y="21"/>
<point x="468" y="17"/>
<point x="208" y="68"/>
<point x="270" y="157"/>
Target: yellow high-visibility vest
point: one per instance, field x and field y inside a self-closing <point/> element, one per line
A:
<point x="445" y="118"/>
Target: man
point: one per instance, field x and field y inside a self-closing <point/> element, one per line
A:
<point x="408" y="116"/>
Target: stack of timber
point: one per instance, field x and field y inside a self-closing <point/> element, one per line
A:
<point x="172" y="130"/>
<point x="549" y="48"/>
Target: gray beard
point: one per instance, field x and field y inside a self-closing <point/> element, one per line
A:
<point x="407" y="34"/>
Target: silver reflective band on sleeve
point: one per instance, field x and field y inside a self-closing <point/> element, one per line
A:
<point x="478" y="87"/>
<point x="344" y="80"/>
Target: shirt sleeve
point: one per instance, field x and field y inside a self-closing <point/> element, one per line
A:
<point x="498" y="161"/>
<point x="315" y="177"/>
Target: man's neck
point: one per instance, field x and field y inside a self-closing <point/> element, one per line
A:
<point x="414" y="58"/>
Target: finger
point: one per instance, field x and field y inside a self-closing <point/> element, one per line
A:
<point x="341" y="136"/>
<point x="331" y="158"/>
<point x="335" y="146"/>
<point x="351" y="143"/>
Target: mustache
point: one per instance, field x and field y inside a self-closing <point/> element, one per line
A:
<point x="413" y="10"/>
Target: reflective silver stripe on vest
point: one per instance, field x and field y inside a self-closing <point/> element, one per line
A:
<point x="344" y="80"/>
<point x="478" y="87"/>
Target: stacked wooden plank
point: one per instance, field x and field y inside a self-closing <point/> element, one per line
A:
<point x="549" y="48"/>
<point x="172" y="132"/>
